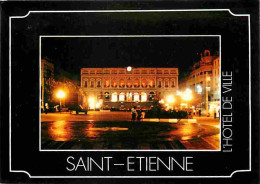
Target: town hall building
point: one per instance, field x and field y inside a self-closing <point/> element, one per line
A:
<point x="123" y="88"/>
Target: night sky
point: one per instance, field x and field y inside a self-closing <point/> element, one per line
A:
<point x="73" y="53"/>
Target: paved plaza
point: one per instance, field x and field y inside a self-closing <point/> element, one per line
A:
<point x="115" y="130"/>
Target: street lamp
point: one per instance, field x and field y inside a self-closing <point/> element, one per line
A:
<point x="178" y="93"/>
<point x="91" y="102"/>
<point x="187" y="95"/>
<point x="60" y="94"/>
<point x="170" y="100"/>
<point x="207" y="95"/>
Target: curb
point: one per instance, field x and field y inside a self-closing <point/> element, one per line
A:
<point x="170" y="120"/>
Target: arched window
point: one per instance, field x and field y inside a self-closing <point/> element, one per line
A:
<point x="114" y="97"/>
<point x="98" y="84"/>
<point x="85" y="84"/>
<point x="129" y="96"/>
<point x="172" y="83"/>
<point x="143" y="97"/>
<point x="107" y="95"/>
<point x="122" y="97"/>
<point x="151" y="96"/>
<point x="136" y="83"/>
<point x="106" y="83"/>
<point x="122" y="83"/>
<point x="136" y="97"/>
<point x="144" y="83"/>
<point x="159" y="83"/>
<point x="92" y="83"/>
<point x="166" y="83"/>
<point x="151" y="83"/>
<point x="114" y="83"/>
<point x="129" y="83"/>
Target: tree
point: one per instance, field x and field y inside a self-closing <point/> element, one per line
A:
<point x="64" y="81"/>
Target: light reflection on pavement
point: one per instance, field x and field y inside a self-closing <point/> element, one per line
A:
<point x="127" y="135"/>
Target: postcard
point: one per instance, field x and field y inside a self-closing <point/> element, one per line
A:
<point x="97" y="91"/>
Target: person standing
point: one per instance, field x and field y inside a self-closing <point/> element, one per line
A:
<point x="133" y="111"/>
<point x="46" y="108"/>
<point x="139" y="114"/>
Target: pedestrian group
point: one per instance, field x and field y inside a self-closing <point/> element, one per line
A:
<point x="136" y="114"/>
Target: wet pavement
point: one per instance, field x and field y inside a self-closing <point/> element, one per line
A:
<point x="90" y="134"/>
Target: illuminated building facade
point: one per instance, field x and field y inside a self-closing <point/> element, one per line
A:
<point x="47" y="74"/>
<point x="123" y="88"/>
<point x="204" y="81"/>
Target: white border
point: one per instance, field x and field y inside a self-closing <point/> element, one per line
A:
<point x="100" y="11"/>
<point x="124" y="36"/>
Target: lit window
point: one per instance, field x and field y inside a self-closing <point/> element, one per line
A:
<point x="136" y="83"/>
<point x="114" y="84"/>
<point x="107" y="83"/>
<point x="143" y="97"/>
<point x="199" y="89"/>
<point x="114" y="97"/>
<point x="136" y="97"/>
<point x="122" y="83"/>
<point x="151" y="83"/>
<point x="129" y="97"/>
<point x="144" y="83"/>
<point x="129" y="84"/>
<point x="122" y="97"/>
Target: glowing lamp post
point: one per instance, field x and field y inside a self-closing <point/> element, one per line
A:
<point x="207" y="95"/>
<point x="60" y="94"/>
<point x="170" y="100"/>
<point x="187" y="96"/>
<point x="91" y="102"/>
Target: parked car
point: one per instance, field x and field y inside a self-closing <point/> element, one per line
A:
<point x="77" y="109"/>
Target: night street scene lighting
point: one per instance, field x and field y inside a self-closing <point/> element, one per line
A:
<point x="106" y="86"/>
